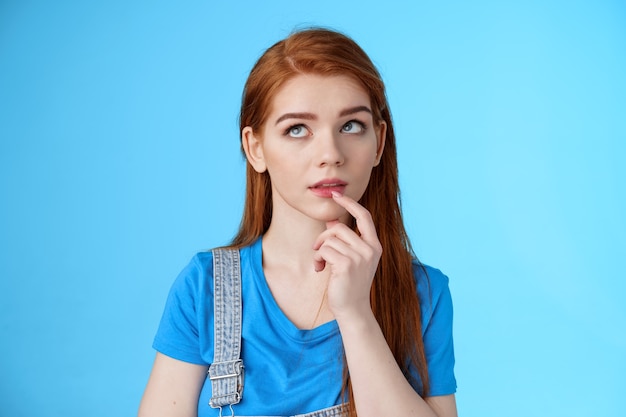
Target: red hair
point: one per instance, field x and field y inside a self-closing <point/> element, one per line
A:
<point x="393" y="294"/>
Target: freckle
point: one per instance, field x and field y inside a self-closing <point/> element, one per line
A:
<point x="173" y="402"/>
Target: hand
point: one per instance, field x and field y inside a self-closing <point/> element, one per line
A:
<point x="352" y="259"/>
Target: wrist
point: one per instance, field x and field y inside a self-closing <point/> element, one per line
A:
<point x="356" y="320"/>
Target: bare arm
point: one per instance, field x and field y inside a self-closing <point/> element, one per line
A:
<point x="378" y="384"/>
<point x="444" y="405"/>
<point x="173" y="388"/>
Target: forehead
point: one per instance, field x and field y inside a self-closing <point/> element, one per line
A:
<point x="318" y="94"/>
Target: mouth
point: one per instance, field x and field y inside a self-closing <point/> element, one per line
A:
<point x="325" y="188"/>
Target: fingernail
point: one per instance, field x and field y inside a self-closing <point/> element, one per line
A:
<point x="335" y="194"/>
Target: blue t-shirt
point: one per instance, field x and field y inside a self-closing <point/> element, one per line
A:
<point x="288" y="371"/>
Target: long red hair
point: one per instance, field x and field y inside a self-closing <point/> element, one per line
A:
<point x="393" y="294"/>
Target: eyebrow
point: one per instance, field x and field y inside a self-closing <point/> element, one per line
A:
<point x="311" y="116"/>
<point x="353" y="110"/>
<point x="307" y="116"/>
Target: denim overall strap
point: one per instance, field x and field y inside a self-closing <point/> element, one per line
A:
<point x="340" y="410"/>
<point x="226" y="372"/>
<point x="335" y="411"/>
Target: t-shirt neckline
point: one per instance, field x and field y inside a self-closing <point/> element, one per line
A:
<point x="284" y="323"/>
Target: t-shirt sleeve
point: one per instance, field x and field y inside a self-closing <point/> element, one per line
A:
<point x="437" y="315"/>
<point x="179" y="333"/>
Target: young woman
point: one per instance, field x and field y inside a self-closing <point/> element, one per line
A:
<point x="338" y="317"/>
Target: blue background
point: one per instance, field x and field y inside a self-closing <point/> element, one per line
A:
<point x="119" y="159"/>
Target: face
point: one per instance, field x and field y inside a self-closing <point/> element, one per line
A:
<point x="319" y="137"/>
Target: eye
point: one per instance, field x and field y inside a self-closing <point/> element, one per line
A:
<point x="296" y="131"/>
<point x="353" y="126"/>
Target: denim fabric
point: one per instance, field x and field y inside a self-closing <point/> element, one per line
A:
<point x="336" y="411"/>
<point x="226" y="372"/>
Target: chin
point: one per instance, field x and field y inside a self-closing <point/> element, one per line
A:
<point x="336" y="214"/>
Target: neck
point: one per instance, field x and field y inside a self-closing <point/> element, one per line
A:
<point x="288" y="241"/>
<point x="290" y="244"/>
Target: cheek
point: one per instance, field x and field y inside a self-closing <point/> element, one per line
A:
<point x="282" y="170"/>
<point x="279" y="163"/>
<point x="367" y="156"/>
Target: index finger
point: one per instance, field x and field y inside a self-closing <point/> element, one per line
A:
<point x="363" y="217"/>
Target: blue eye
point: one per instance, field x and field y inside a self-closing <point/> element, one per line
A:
<point x="353" y="126"/>
<point x="297" y="131"/>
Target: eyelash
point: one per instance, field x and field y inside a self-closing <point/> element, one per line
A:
<point x="362" y="125"/>
<point x="290" y="128"/>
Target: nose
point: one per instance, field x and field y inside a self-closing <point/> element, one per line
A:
<point x="329" y="150"/>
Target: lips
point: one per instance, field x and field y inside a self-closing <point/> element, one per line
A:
<point x="325" y="187"/>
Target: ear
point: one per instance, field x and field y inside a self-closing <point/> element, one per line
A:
<point x="253" y="149"/>
<point x="381" y="136"/>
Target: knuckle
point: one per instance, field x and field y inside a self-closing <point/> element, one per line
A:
<point x="378" y="248"/>
<point x="366" y="215"/>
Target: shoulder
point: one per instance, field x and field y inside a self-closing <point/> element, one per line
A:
<point x="193" y="283"/>
<point x="435" y="275"/>
<point x="434" y="294"/>
<point x="194" y="275"/>
<point x="197" y="276"/>
<point x="182" y="326"/>
<point x="430" y="281"/>
<point x="202" y="261"/>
